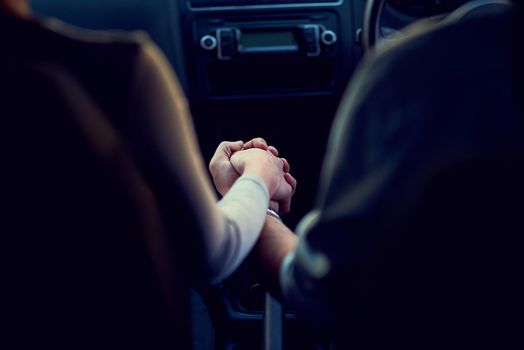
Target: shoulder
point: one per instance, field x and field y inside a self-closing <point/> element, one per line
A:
<point x="404" y="96"/>
<point x="424" y="73"/>
<point x="116" y="57"/>
<point x="96" y="42"/>
<point x="131" y="49"/>
<point x="451" y="52"/>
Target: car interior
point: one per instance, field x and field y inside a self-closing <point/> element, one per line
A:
<point x="276" y="69"/>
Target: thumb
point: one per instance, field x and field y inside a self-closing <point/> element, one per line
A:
<point x="223" y="153"/>
<point x="227" y="148"/>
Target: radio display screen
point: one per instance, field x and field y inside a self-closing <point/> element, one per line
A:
<point x="282" y="40"/>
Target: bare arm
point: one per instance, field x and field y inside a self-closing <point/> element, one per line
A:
<point x="275" y="243"/>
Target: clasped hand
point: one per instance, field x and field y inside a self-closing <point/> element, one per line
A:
<point x="255" y="158"/>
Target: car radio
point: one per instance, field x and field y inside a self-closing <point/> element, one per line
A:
<point x="306" y="40"/>
<point x="266" y="53"/>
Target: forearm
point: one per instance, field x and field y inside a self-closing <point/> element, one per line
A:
<point x="243" y="210"/>
<point x="275" y="242"/>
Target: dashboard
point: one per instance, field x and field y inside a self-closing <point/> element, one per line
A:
<point x="242" y="49"/>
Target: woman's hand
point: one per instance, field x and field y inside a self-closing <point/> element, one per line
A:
<point x="272" y="170"/>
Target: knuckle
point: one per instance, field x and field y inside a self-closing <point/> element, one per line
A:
<point x="260" y="140"/>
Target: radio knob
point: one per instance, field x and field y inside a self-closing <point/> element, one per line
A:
<point x="208" y="42"/>
<point x="328" y="37"/>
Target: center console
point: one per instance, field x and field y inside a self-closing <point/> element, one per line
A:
<point x="259" y="48"/>
<point x="275" y="69"/>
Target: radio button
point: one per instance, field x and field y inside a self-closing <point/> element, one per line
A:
<point x="208" y="42"/>
<point x="328" y="37"/>
<point x="311" y="33"/>
<point x="226" y="47"/>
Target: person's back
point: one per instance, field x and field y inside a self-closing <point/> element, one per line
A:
<point x="110" y="66"/>
<point x="79" y="225"/>
<point x="414" y="241"/>
<point x="124" y="81"/>
<point x="101" y="61"/>
<point x="435" y="123"/>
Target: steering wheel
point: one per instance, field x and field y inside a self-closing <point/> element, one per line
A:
<point x="371" y="29"/>
<point x="371" y="24"/>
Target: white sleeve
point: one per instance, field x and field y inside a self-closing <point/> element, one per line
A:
<point x="243" y="209"/>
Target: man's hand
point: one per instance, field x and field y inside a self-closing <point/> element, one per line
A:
<point x="284" y="204"/>
<point x="223" y="173"/>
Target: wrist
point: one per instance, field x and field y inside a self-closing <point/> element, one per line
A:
<point x="261" y="171"/>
